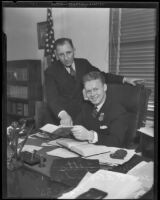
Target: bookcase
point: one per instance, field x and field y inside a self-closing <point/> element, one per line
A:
<point x="24" y="88"/>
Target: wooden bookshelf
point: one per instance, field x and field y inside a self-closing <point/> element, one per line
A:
<point x="24" y="88"/>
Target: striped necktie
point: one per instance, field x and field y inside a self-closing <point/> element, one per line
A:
<point x="94" y="112"/>
<point x="72" y="71"/>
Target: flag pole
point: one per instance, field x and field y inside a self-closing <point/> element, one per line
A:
<point x="49" y="55"/>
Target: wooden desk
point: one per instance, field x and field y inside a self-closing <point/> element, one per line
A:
<point x="34" y="182"/>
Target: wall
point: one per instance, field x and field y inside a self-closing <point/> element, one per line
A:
<point x="88" y="28"/>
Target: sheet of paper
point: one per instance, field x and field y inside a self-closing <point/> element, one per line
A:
<point x="144" y="171"/>
<point x="30" y="148"/>
<point x="106" y="159"/>
<point x="109" y="182"/>
<point x="62" y="152"/>
<point x="147" y="130"/>
<point x="39" y="135"/>
<point x="50" y="143"/>
<point x="20" y="140"/>
<point x="68" y="142"/>
<point x="49" y="128"/>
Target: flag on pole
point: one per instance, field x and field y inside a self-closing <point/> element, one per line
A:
<point x="49" y="37"/>
<point x="48" y="56"/>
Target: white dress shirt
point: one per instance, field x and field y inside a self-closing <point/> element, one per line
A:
<point x="73" y="67"/>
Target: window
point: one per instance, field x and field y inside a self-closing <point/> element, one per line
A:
<point x="132" y="45"/>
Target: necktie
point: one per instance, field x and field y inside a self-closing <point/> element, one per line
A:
<point x="94" y="112"/>
<point x="72" y="71"/>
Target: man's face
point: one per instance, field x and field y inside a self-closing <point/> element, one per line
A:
<point x="95" y="91"/>
<point x="65" y="53"/>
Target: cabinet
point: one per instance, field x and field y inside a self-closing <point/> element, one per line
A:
<point x="24" y="88"/>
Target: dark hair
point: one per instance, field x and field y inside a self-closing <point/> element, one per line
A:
<point x="94" y="75"/>
<point x="62" y="41"/>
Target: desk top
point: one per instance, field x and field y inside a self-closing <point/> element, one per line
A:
<point x="34" y="181"/>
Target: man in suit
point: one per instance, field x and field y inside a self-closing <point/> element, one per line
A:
<point x="63" y="83"/>
<point x="100" y="121"/>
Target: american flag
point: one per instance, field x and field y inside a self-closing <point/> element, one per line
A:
<point x="49" y="39"/>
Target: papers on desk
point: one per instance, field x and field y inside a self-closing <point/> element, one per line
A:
<point x="31" y="148"/>
<point x="39" y="135"/>
<point x="63" y="153"/>
<point x="145" y="174"/>
<point x="117" y="185"/>
<point x="20" y="140"/>
<point x="51" y="128"/>
<point x="50" y="143"/>
<point x="106" y="159"/>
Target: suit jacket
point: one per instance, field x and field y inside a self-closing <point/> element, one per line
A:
<point x="111" y="123"/>
<point x="63" y="92"/>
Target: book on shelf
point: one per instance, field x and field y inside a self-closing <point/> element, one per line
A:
<point x="25" y="110"/>
<point x="14" y="91"/>
<point x="17" y="74"/>
<point x="17" y="108"/>
<point x="83" y="148"/>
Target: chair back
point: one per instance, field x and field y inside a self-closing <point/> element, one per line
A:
<point x="135" y="101"/>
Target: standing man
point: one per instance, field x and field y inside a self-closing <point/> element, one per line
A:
<point x="63" y="83"/>
<point x="100" y="121"/>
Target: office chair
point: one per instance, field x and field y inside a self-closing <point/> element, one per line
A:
<point x="135" y="101"/>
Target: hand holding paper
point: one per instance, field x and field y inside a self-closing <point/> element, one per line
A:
<point x="81" y="133"/>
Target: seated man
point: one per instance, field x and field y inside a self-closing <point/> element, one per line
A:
<point x="100" y="121"/>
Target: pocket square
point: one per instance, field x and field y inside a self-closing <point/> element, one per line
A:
<point x="103" y="127"/>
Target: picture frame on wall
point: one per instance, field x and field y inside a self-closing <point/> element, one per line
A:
<point x="41" y="31"/>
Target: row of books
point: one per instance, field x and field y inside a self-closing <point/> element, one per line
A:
<point x="17" y="91"/>
<point x="18" y="74"/>
<point x="17" y="108"/>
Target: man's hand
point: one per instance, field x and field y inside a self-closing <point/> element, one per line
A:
<point x="81" y="133"/>
<point x="133" y="81"/>
<point x="65" y="119"/>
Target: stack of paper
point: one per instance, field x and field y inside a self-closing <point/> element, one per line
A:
<point x="117" y="185"/>
<point x="82" y="148"/>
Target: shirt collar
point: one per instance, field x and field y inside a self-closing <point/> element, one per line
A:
<point x="100" y="105"/>
<point x="73" y="66"/>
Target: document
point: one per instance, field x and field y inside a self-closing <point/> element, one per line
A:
<point x="117" y="185"/>
<point x="144" y="172"/>
<point x="40" y="135"/>
<point x="31" y="148"/>
<point x="50" y="143"/>
<point x="63" y="153"/>
<point x="51" y="128"/>
<point x="82" y="148"/>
